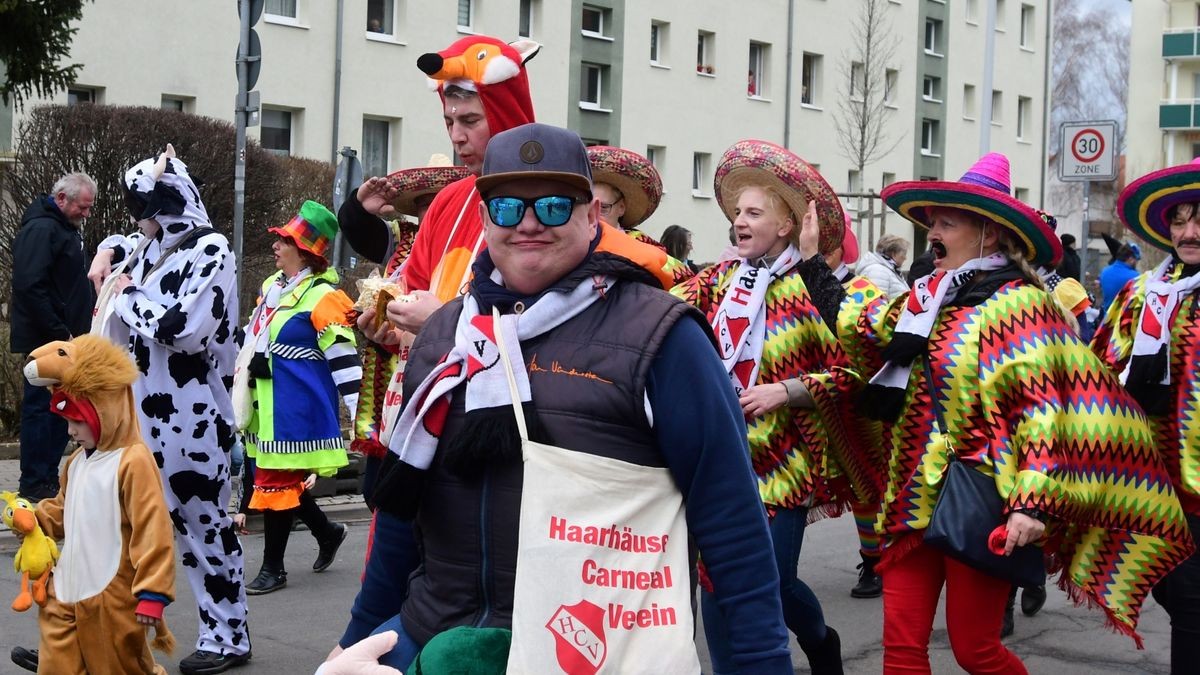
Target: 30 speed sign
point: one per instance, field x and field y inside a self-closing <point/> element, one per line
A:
<point x="1088" y="151"/>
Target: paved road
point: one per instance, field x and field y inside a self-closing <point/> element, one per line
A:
<point x="293" y="629"/>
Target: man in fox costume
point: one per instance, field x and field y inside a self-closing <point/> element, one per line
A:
<point x="117" y="570"/>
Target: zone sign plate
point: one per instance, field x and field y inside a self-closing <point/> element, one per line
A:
<point x="1088" y="151"/>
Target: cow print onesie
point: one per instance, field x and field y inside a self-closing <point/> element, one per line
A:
<point x="180" y="321"/>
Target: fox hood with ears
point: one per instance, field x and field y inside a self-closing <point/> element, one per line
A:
<point x="492" y="68"/>
<point x="90" y="367"/>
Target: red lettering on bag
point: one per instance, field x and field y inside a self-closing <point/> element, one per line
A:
<point x="619" y="617"/>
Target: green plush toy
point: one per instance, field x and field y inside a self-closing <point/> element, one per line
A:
<point x="464" y="651"/>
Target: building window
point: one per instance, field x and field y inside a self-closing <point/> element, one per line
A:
<point x="997" y="106"/>
<point x="1000" y="24"/>
<point x="381" y="17"/>
<point x="1024" y="117"/>
<point x="658" y="42"/>
<point x="1021" y="194"/>
<point x="1027" y="26"/>
<point x="591" y="86"/>
<point x="376" y="142"/>
<point x="891" y="78"/>
<point x="466" y="13"/>
<point x="705" y="51"/>
<point x="595" y="21"/>
<point x="888" y="179"/>
<point x="969" y="101"/>
<point x="525" y="18"/>
<point x="810" y="79"/>
<point x="77" y="95"/>
<point x="276" y="131"/>
<point x="933" y="37"/>
<point x="931" y="89"/>
<point x="973" y="11"/>
<point x="853" y="181"/>
<point x="281" y="8"/>
<point x="858" y="80"/>
<point x="929" y="134"/>
<point x="757" y="75"/>
<point x="700" y="178"/>
<point x="656" y="154"/>
<point x="174" y="103"/>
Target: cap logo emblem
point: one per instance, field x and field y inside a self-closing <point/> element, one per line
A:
<point x="532" y="152"/>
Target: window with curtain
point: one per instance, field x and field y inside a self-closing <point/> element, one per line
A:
<point x="281" y="8"/>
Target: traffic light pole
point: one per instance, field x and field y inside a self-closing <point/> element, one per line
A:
<point x="239" y="116"/>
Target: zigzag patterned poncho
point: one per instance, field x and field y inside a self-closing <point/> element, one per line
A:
<point x="1022" y="395"/>
<point x="787" y="446"/>
<point x="1178" y="433"/>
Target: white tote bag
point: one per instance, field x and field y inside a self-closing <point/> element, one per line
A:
<point x="602" y="581"/>
<point x="103" y="308"/>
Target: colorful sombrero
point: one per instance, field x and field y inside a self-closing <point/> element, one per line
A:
<point x="633" y="175"/>
<point x="985" y="189"/>
<point x="760" y="163"/>
<point x="1144" y="203"/>
<point x="312" y="229"/>
<point x="412" y="184"/>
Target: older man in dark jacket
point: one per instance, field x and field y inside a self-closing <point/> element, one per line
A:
<point x="51" y="300"/>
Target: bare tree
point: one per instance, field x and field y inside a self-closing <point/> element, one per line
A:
<point x="860" y="121"/>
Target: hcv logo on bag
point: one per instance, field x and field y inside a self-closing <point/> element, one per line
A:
<point x="579" y="636"/>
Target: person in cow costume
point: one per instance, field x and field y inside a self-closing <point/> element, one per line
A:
<point x="1150" y="337"/>
<point x="176" y="309"/>
<point x="772" y="310"/>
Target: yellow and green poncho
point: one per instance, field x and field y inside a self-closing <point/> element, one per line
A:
<point x="787" y="446"/>
<point x="1177" y="434"/>
<point x="1027" y="400"/>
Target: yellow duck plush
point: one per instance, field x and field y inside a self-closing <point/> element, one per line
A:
<point x="37" y="553"/>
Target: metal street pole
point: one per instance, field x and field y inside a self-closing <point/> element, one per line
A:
<point x="989" y="57"/>
<point x="239" y="116"/>
<point x="1087" y="228"/>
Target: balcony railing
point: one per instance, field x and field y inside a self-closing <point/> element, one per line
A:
<point x="1181" y="43"/>
<point x="1179" y="114"/>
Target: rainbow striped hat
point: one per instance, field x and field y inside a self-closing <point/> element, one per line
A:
<point x="1144" y="203"/>
<point x="312" y="229"/>
<point x="985" y="189"/>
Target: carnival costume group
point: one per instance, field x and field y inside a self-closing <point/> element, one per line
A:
<point x="851" y="398"/>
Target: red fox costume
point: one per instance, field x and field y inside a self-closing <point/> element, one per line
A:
<point x="118" y="557"/>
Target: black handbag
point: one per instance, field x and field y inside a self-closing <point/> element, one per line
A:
<point x="966" y="512"/>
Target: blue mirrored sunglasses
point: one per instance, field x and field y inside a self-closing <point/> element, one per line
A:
<point x="551" y="210"/>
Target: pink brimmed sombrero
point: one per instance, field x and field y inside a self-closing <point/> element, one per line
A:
<point x="849" y="244"/>
<point x="1144" y="203"/>
<point x="417" y="182"/>
<point x="633" y="175"/>
<point x="985" y="189"/>
<point x="760" y="163"/>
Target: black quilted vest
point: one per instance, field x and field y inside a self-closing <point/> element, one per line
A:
<point x="588" y="379"/>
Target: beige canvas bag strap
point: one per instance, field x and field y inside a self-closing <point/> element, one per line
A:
<point x="518" y="411"/>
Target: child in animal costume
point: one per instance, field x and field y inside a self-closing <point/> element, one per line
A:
<point x="117" y="570"/>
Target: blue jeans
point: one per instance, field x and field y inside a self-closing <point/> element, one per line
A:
<point x="392" y="561"/>
<point x="406" y="649"/>
<point x="801" y="609"/>
<point x="1179" y="594"/>
<point x="43" y="438"/>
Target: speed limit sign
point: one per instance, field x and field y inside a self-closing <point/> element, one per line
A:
<point x="1088" y="151"/>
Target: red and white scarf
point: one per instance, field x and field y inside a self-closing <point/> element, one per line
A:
<point x="741" y="321"/>
<point x="261" y="318"/>
<point x="1153" y="334"/>
<point x="475" y="359"/>
<point x="929" y="294"/>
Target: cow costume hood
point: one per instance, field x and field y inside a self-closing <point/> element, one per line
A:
<point x="493" y="69"/>
<point x="160" y="187"/>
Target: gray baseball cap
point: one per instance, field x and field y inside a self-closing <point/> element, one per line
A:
<point x="535" y="151"/>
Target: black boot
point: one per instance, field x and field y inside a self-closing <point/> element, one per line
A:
<point x="1032" y="599"/>
<point x="267" y="581"/>
<point x="329" y="548"/>
<point x="869" y="584"/>
<point x="826" y="658"/>
<point x="1006" y="626"/>
<point x="26" y="658"/>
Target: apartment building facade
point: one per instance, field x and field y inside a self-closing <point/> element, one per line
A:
<point x="1164" y="86"/>
<point x="677" y="80"/>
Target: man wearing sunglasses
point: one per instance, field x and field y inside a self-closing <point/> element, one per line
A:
<point x="613" y="367"/>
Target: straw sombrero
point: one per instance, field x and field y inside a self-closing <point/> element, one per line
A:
<point x="985" y="189"/>
<point x="1144" y="203"/>
<point x="760" y="163"/>
<point x="424" y="180"/>
<point x="633" y="175"/>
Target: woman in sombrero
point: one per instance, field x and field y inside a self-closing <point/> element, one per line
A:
<point x="766" y="308"/>
<point x="1150" y="338"/>
<point x="1023" y="401"/>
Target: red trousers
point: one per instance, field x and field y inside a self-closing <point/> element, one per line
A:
<point x="975" y="603"/>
